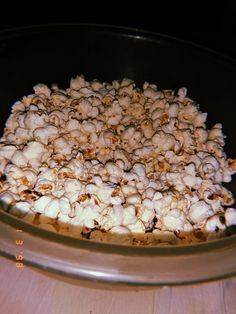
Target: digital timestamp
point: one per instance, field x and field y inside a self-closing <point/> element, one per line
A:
<point x="19" y="255"/>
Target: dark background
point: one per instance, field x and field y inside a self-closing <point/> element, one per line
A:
<point x="208" y="23"/>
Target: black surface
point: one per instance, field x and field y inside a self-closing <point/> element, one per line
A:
<point x="210" y="23"/>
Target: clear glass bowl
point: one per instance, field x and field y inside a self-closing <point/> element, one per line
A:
<point x="54" y="54"/>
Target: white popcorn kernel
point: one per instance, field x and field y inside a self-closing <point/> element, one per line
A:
<point x="65" y="172"/>
<point x="72" y="188"/>
<point x="150" y="93"/>
<point x="7" y="151"/>
<point x="173" y="110"/>
<point x="84" y="108"/>
<point x="3" y="164"/>
<point x="41" y="204"/>
<point x="200" y="119"/>
<point x="114" y="216"/>
<point x="128" y="190"/>
<point x="147" y="211"/>
<point x="88" y="127"/>
<point x="96" y="85"/>
<point x="33" y="150"/>
<point x="148" y="193"/>
<point x="59" y="98"/>
<point x="144" y="151"/>
<point x="189" y="180"/>
<point x="116" y="200"/>
<point x="18" y="106"/>
<point x="174" y="220"/>
<point x="157" y="196"/>
<point x="157" y="114"/>
<point x="148" y="203"/>
<point x="230" y="216"/>
<point x="19" y="159"/>
<point x="187" y="114"/>
<point x="112" y="169"/>
<point x="62" y="146"/>
<point x="104" y="194"/>
<point x="87" y="215"/>
<point x="72" y="124"/>
<point x="12" y="122"/>
<point x="134" y="199"/>
<point x="57" y="118"/>
<point x="45" y="134"/>
<point x="98" y="181"/>
<point x="52" y="208"/>
<point x="78" y="82"/>
<point x="65" y="207"/>
<point x="163" y="205"/>
<point x="129" y="215"/>
<point x="147" y="128"/>
<point x="188" y="227"/>
<point x="199" y="211"/>
<point x="120" y="163"/>
<point x="42" y="89"/>
<point x="216" y="133"/>
<point x="119" y="230"/>
<point x="128" y="133"/>
<point x="137" y="227"/>
<point x="139" y="169"/>
<point x="121" y="154"/>
<point x="14" y="172"/>
<point x="34" y="119"/>
<point x="201" y="135"/>
<point x="214" y="224"/>
<point x="94" y="112"/>
<point x="163" y="142"/>
<point x="209" y="167"/>
<point x="77" y="167"/>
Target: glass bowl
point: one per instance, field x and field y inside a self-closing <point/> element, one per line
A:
<point x="54" y="54"/>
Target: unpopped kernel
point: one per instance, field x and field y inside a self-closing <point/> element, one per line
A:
<point x="114" y="163"/>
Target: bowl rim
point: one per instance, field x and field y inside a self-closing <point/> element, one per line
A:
<point x="8" y="33"/>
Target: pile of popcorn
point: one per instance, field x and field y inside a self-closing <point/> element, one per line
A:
<point x="114" y="163"/>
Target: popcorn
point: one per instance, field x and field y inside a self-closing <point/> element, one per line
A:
<point x="33" y="150"/>
<point x="72" y="189"/>
<point x="230" y="217"/>
<point x="19" y="159"/>
<point x="45" y="134"/>
<point x="7" y="151"/>
<point x="113" y="163"/>
<point x="42" y="89"/>
<point x="174" y="220"/>
<point x="134" y="199"/>
<point x="199" y="212"/>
